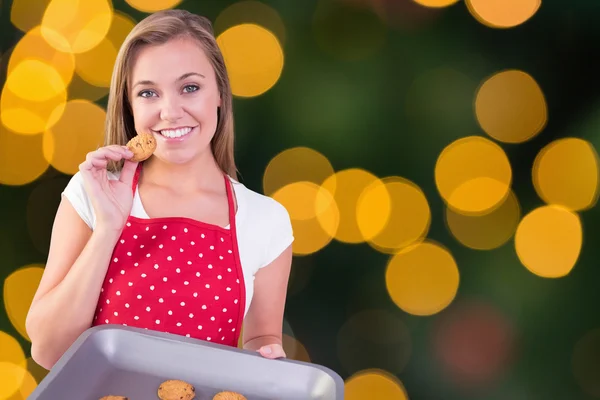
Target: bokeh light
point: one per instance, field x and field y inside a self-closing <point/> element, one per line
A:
<point x="294" y="350"/>
<point x="254" y="59"/>
<point x="488" y="231"/>
<point x="510" y="107"/>
<point x="79" y="131"/>
<point x="374" y="339"/>
<point x="12" y="378"/>
<point x="27" y="117"/>
<point x="74" y="26"/>
<point x="347" y="187"/>
<point x="548" y="241"/>
<point x="473" y="175"/>
<point x="10" y="350"/>
<point x="96" y="65"/>
<point x="586" y="363"/>
<point x="436" y="3"/>
<point x="19" y="289"/>
<point x="295" y="165"/>
<point x="254" y="12"/>
<point x="24" y="151"/>
<point x="347" y="32"/>
<point x="474" y="344"/>
<point x="503" y="13"/>
<point x="24" y="381"/>
<point x="374" y="384"/>
<point x="565" y="172"/>
<point x="422" y="279"/>
<point x="393" y="213"/>
<point x="150" y="6"/>
<point x="26" y="14"/>
<point x="35" y="80"/>
<point x="33" y="46"/>
<point x="314" y="215"/>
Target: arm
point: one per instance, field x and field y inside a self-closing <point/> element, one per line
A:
<point x="264" y="323"/>
<point x="65" y="301"/>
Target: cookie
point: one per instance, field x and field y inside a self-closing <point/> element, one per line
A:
<point x="142" y="146"/>
<point x="228" y="396"/>
<point x="114" y="398"/>
<point x="176" y="390"/>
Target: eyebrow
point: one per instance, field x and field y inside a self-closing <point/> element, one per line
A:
<point x="182" y="77"/>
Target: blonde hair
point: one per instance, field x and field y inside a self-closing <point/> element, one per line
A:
<point x="156" y="29"/>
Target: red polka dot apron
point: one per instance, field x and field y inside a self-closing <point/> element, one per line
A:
<point x="176" y="275"/>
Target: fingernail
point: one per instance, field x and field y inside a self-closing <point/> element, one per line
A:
<point x="267" y="350"/>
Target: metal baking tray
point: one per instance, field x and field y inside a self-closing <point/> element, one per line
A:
<point x="132" y="362"/>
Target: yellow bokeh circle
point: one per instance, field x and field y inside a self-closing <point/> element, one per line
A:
<point x="251" y="11"/>
<point x="436" y="3"/>
<point x="565" y="172"/>
<point x="96" y="65"/>
<point x="74" y="26"/>
<point x="473" y="175"/>
<point x="19" y="289"/>
<point x="488" y="231"/>
<point x="503" y="13"/>
<point x="313" y="213"/>
<point x="295" y="165"/>
<point x="33" y="46"/>
<point x="374" y="384"/>
<point x="393" y="213"/>
<point x="11" y="351"/>
<point x="29" y="117"/>
<point x="347" y="187"/>
<point x="511" y="107"/>
<point x="548" y="241"/>
<point x="35" y="80"/>
<point x="79" y="131"/>
<point x="150" y="6"/>
<point x="24" y="151"/>
<point x="422" y="279"/>
<point x="254" y="59"/>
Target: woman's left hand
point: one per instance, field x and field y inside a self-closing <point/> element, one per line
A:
<point x="272" y="351"/>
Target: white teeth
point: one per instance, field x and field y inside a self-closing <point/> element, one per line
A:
<point x="175" y="133"/>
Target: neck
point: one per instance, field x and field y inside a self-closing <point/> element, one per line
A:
<point x="202" y="173"/>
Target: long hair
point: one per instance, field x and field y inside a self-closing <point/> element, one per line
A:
<point x="156" y="29"/>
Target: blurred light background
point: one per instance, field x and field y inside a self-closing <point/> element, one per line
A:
<point x="437" y="158"/>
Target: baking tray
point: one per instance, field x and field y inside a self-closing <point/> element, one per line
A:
<point x="132" y="362"/>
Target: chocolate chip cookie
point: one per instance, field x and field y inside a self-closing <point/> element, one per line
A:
<point x="229" y="396"/>
<point x="175" y="389"/>
<point x="142" y="146"/>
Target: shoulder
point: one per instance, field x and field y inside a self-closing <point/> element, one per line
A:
<point x="264" y="225"/>
<point x="260" y="206"/>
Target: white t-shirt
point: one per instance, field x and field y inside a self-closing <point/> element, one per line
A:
<point x="263" y="225"/>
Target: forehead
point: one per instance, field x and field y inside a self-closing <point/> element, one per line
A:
<point x="166" y="62"/>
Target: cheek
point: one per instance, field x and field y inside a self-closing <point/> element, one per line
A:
<point x="142" y="114"/>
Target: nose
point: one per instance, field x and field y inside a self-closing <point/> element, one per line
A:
<point x="171" y="109"/>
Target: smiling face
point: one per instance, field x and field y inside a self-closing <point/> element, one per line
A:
<point x="174" y="95"/>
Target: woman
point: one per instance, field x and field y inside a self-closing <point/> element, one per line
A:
<point x="175" y="243"/>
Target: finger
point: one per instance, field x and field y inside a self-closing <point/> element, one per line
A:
<point x="128" y="172"/>
<point x="272" y="351"/>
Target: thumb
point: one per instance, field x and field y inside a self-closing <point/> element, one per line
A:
<point x="128" y="172"/>
<point x="272" y="351"/>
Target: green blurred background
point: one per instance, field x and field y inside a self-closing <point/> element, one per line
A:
<point x="437" y="157"/>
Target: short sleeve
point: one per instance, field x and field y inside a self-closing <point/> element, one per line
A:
<point x="280" y="233"/>
<point x="77" y="196"/>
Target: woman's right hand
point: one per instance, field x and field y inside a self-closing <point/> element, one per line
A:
<point x="112" y="199"/>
